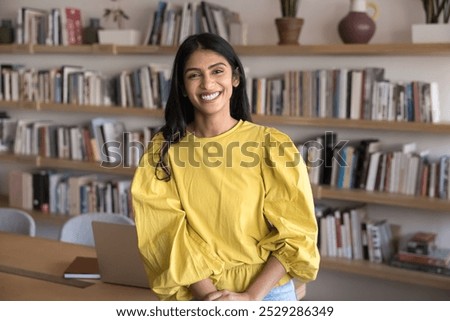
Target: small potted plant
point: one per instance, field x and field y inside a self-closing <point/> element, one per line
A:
<point x="289" y="26"/>
<point x="119" y="36"/>
<point x="436" y="11"/>
<point x="436" y="27"/>
<point x="117" y="14"/>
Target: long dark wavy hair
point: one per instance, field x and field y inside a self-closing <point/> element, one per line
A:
<point x="179" y="110"/>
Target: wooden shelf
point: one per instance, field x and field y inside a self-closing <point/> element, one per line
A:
<point x="438" y="128"/>
<point x="55" y="163"/>
<point x="431" y="128"/>
<point x="18" y="105"/>
<point x="95" y="49"/>
<point x="386" y="272"/>
<point x="108" y="110"/>
<point x="388" y="49"/>
<point x="391" y="199"/>
<point x="21" y="159"/>
<point x="4" y="202"/>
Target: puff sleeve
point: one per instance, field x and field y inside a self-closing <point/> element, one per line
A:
<point x="289" y="207"/>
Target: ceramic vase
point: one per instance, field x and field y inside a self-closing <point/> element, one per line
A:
<point x="358" y="26"/>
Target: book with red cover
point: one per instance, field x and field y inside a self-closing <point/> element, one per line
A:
<point x="83" y="267"/>
<point x="72" y="26"/>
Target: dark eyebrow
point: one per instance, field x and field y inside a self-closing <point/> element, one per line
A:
<point x="210" y="67"/>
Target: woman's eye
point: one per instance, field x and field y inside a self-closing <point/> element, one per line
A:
<point x="193" y="75"/>
<point x="217" y="71"/>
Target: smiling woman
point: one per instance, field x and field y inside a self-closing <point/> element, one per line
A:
<point x="223" y="207"/>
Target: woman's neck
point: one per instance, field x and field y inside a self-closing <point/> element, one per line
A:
<point x="210" y="127"/>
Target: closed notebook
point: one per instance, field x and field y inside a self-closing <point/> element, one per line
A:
<point x="83" y="268"/>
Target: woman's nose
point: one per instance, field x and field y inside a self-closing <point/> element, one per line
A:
<point x="207" y="82"/>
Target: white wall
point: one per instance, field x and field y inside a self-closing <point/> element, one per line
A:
<point x="321" y="20"/>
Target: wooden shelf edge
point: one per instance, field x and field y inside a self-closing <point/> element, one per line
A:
<point x="102" y="109"/>
<point x="89" y="166"/>
<point x="381" y="198"/>
<point x="19" y="105"/>
<point x="47" y="162"/>
<point x="17" y="158"/>
<point x="147" y="49"/>
<point x="437" y="128"/>
<point x="408" y="49"/>
<point x="431" y="128"/>
<point x="4" y="202"/>
<point x="15" y="48"/>
<point x="386" y="272"/>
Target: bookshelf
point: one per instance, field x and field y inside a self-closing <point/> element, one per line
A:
<point x="277" y="53"/>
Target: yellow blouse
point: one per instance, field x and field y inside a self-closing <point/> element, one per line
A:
<point x="233" y="200"/>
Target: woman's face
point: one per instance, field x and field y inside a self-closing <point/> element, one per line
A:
<point x="209" y="81"/>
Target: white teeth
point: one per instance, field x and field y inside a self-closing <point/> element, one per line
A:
<point x="210" y="96"/>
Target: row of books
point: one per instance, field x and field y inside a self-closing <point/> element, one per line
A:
<point x="365" y="164"/>
<point x="318" y="93"/>
<point x="64" y="193"/>
<point x="101" y="140"/>
<point x="56" y="26"/>
<point x="66" y="84"/>
<point x="143" y="87"/>
<point x="370" y="165"/>
<point x="346" y="94"/>
<point x="350" y="233"/>
<point x="173" y="22"/>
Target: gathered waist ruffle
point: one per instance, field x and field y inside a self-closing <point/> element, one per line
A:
<point x="238" y="278"/>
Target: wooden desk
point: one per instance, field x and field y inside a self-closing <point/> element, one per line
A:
<point x="52" y="257"/>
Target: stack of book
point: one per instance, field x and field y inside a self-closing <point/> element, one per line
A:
<point x="422" y="254"/>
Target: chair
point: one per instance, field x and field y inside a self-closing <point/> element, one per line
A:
<point x="17" y="221"/>
<point x="78" y="229"/>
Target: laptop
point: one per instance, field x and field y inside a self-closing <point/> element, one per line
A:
<point x="118" y="256"/>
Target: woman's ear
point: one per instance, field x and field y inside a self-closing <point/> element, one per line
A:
<point x="236" y="77"/>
